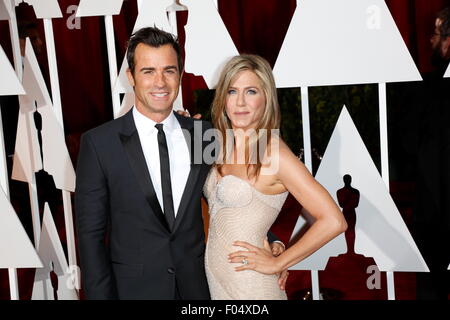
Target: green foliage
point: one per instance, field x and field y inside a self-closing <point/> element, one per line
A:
<point x="362" y="103"/>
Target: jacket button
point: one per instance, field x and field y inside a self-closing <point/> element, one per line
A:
<point x="171" y="270"/>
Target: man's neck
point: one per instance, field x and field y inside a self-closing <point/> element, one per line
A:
<point x="157" y="117"/>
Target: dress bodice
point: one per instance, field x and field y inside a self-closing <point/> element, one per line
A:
<point x="238" y="212"/>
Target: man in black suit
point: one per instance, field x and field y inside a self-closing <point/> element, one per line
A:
<point x="139" y="187"/>
<point x="432" y="208"/>
<point x="421" y="142"/>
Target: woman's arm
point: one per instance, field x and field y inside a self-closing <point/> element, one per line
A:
<point x="329" y="221"/>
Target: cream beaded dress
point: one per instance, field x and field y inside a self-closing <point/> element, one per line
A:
<point x="238" y="211"/>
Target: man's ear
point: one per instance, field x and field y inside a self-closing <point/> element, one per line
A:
<point x="181" y="75"/>
<point x="130" y="77"/>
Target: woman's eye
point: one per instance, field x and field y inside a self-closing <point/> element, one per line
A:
<point x="231" y="91"/>
<point x="251" y="91"/>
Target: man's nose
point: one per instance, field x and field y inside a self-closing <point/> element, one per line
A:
<point x="160" y="80"/>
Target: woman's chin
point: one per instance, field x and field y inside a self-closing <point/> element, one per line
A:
<point x="241" y="125"/>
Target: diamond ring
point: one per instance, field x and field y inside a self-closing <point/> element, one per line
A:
<point x="245" y="262"/>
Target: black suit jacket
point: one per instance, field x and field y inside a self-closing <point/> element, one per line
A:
<point x="126" y="248"/>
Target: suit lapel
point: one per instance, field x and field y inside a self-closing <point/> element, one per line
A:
<point x="133" y="149"/>
<point x="190" y="135"/>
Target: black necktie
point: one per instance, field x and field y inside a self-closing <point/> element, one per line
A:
<point x="166" y="185"/>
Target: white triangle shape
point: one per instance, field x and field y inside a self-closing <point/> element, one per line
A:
<point x="5" y="10"/>
<point x="206" y="58"/>
<point x="9" y="83"/>
<point x="319" y="259"/>
<point x="33" y="80"/>
<point x="27" y="158"/>
<point x="89" y="8"/>
<point x="151" y="13"/>
<point x="51" y="251"/>
<point x="447" y="73"/>
<point x="380" y="231"/>
<point x="57" y="160"/>
<point x="331" y="42"/>
<point x="16" y="249"/>
<point x="127" y="104"/>
<point x="45" y="9"/>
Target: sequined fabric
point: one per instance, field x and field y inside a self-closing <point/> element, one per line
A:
<point x="238" y="212"/>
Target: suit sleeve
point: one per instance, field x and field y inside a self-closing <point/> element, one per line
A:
<point x="271" y="237"/>
<point x="92" y="215"/>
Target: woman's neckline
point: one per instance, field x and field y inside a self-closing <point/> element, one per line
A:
<point x="220" y="177"/>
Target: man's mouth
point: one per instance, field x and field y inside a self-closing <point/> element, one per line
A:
<point x="159" y="94"/>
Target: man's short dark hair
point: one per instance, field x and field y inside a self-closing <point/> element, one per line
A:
<point x="155" y="38"/>
<point x="444" y="16"/>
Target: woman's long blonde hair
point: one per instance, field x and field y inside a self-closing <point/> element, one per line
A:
<point x="271" y="116"/>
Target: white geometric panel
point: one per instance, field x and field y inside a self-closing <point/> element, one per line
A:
<point x="34" y="81"/>
<point x="5" y="10"/>
<point x="9" y="84"/>
<point x="380" y="231"/>
<point x="176" y="6"/>
<point x="205" y="26"/>
<point x="151" y="13"/>
<point x="336" y="42"/>
<point x="447" y="73"/>
<point x="319" y="259"/>
<point x="52" y="255"/>
<point x="45" y="9"/>
<point x="27" y="157"/>
<point x="89" y="8"/>
<point x="57" y="160"/>
<point x="16" y="249"/>
<point x="127" y="104"/>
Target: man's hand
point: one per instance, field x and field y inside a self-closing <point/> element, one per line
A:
<point x="278" y="248"/>
<point x="185" y="113"/>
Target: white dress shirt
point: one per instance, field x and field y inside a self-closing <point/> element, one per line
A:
<point x="179" y="157"/>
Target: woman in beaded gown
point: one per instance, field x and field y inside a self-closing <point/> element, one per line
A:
<point x="248" y="185"/>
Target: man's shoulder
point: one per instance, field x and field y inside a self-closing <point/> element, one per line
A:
<point x="105" y="130"/>
<point x="194" y="123"/>
<point x="204" y="123"/>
